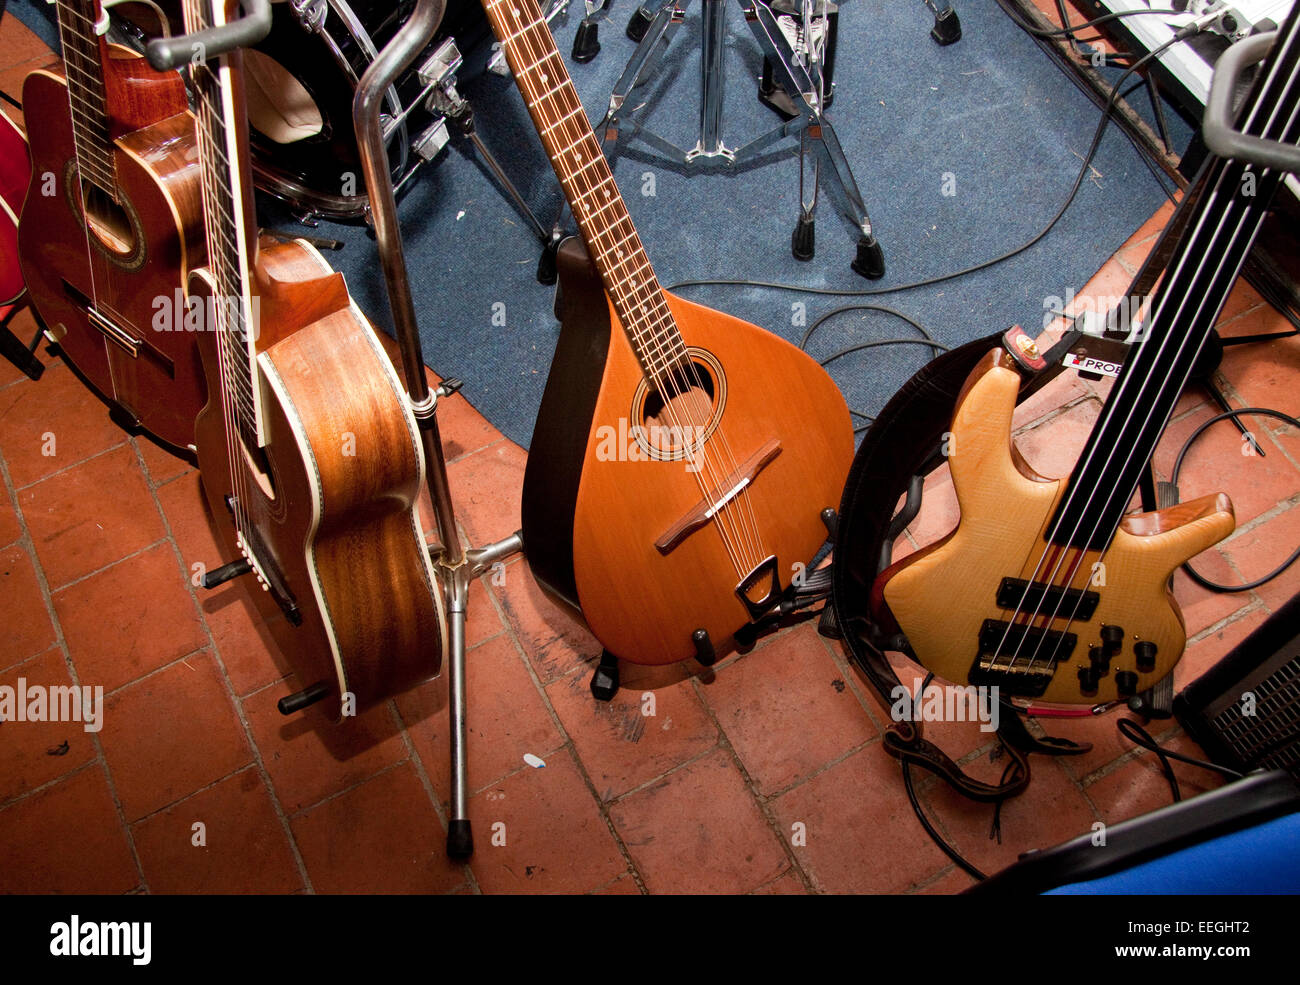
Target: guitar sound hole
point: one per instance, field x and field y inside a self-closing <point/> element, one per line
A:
<point x="107" y="220"/>
<point x="674" y="420"/>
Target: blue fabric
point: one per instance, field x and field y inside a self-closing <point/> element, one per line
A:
<point x="1263" y="860"/>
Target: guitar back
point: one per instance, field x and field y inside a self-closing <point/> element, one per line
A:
<point x="330" y="502"/>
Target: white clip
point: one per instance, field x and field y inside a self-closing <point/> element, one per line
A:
<point x="101" y="25"/>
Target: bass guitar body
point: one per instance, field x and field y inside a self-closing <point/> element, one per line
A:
<point x="106" y="275"/>
<point x="653" y="542"/>
<point x="1095" y="627"/>
<point x="325" y="509"/>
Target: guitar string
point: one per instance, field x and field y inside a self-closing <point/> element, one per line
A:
<point x="560" y="124"/>
<point x="1119" y="394"/>
<point x="1230" y="177"/>
<point x="211" y="88"/>
<point x="648" y="302"/>
<point x="655" y="297"/>
<point x="69" y="39"/>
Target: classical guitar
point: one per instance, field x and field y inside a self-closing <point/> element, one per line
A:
<point x="307" y="449"/>
<point x="15" y="172"/>
<point x="681" y="457"/>
<point x="111" y="226"/>
<point x="1050" y="588"/>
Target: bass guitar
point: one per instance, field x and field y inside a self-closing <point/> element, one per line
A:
<point x="307" y="449"/>
<point x="1050" y="588"/>
<point x="111" y="225"/>
<point x="681" y="457"/>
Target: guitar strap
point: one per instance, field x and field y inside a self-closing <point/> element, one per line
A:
<point x="901" y="445"/>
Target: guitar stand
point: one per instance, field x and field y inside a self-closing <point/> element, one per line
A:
<point x="456" y="564"/>
<point x="12" y="348"/>
<point x="784" y="611"/>
<point x="795" y="65"/>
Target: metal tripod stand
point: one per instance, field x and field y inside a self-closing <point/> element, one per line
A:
<point x="456" y="564"/>
<point x="793" y="45"/>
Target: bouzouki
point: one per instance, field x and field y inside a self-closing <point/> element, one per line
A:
<point x="1049" y="588"/>
<point x="111" y="225"/>
<point x="681" y="457"/>
<point x="307" y="449"/>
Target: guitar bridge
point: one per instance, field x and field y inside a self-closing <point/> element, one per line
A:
<point x="1025" y="674"/>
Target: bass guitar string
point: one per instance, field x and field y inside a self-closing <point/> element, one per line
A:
<point x="1158" y="360"/>
<point x="1231" y="176"/>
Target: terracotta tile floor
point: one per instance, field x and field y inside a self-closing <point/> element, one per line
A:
<point x="97" y="543"/>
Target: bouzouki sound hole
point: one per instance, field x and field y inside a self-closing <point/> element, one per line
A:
<point x="671" y="423"/>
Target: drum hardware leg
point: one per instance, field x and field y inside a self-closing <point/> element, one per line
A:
<point x="455" y="563"/>
<point x="604" y="680"/>
<point x="586" y="44"/>
<point x="638" y="24"/>
<point x="947" y="28"/>
<point x="799" y="69"/>
<point x="307" y="217"/>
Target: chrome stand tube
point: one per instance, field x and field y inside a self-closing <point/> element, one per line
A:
<point x="456" y="564"/>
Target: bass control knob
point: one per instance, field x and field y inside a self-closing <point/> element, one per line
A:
<point x="1112" y="638"/>
<point x="1145" y="651"/>
<point x="1087" y="681"/>
<point x="1126" y="683"/>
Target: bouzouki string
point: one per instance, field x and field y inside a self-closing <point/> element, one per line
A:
<point x="1181" y="295"/>
<point x="740" y="533"/>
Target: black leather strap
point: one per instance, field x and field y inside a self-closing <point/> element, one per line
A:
<point x="903" y="443"/>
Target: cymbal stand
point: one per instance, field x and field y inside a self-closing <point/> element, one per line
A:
<point x="456" y="563"/>
<point x="793" y="47"/>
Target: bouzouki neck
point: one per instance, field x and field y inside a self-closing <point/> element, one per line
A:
<point x="589" y="186"/>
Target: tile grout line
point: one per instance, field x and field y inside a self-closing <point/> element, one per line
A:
<point x="38" y="567"/>
<point x="237" y="704"/>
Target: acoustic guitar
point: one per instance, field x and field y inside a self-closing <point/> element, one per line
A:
<point x="1050" y="588"/>
<point x="307" y="449"/>
<point x="111" y="225"/>
<point x="681" y="457"/>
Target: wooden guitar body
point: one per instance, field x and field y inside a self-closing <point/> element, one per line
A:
<point x="944" y="596"/>
<point x="596" y="504"/>
<point x="132" y="263"/>
<point x="330" y="500"/>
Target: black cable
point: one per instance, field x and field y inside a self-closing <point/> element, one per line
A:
<point x="941" y="278"/>
<point x="937" y="838"/>
<point x="1137" y="734"/>
<point x="11" y="101"/>
<point x="1192" y="573"/>
<point x="1068" y="31"/>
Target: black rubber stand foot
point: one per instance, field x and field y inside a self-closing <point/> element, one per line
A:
<point x="638" y="24"/>
<point x="870" y="261"/>
<point x="604" y="682"/>
<point x="947" y="28"/>
<point x="460" y="839"/>
<point x="586" y="44"/>
<point x="546" y="273"/>
<point x="803" y="240"/>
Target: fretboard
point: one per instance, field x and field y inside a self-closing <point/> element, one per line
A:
<point x="588" y="183"/>
<point x="226" y="218"/>
<point x="1201" y="272"/>
<point x="82" y="52"/>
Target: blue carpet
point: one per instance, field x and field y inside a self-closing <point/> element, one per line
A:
<point x="991" y="115"/>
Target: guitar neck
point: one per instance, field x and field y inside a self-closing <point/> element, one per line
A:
<point x="83" y="51"/>
<point x="588" y="183"/>
<point x="1200" y="274"/>
<point x="221" y="127"/>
